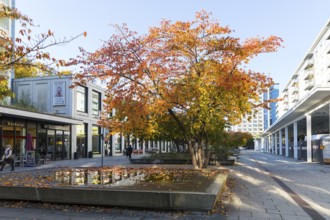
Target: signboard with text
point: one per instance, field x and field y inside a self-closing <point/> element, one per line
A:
<point x="30" y="159"/>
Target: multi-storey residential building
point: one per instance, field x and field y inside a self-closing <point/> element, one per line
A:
<point x="251" y="124"/>
<point x="7" y="29"/>
<point x="5" y="23"/>
<point x="270" y="115"/>
<point x="257" y="123"/>
<point x="303" y="113"/>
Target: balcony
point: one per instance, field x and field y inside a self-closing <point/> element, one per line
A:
<point x="285" y="94"/>
<point x="295" y="98"/>
<point x="309" y="66"/>
<point x="309" y="76"/>
<point x="295" y="90"/>
<point x="309" y="85"/>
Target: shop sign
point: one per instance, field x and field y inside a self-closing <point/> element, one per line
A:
<point x="16" y="124"/>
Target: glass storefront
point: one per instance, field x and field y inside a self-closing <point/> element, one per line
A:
<point x="81" y="140"/>
<point x="96" y="139"/>
<point x="47" y="140"/>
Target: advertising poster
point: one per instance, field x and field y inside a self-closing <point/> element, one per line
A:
<point x="59" y="93"/>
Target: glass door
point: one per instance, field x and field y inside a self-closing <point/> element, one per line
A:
<point x="66" y="146"/>
<point x="42" y="143"/>
<point x="59" y="149"/>
<point x="51" y="144"/>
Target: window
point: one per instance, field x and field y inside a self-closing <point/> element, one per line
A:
<point x="81" y="131"/>
<point x="96" y="139"/>
<point x="82" y="99"/>
<point x="96" y="103"/>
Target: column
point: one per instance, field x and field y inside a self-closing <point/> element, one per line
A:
<point x="295" y="140"/>
<point x="286" y="141"/>
<point x="268" y="144"/>
<point x="280" y="140"/>
<point x="309" y="137"/>
<point x="276" y="142"/>
<point x="143" y="147"/>
<point x="273" y="143"/>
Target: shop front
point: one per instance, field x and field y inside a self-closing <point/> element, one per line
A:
<point x="47" y="136"/>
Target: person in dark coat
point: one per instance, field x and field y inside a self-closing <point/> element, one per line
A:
<point x="129" y="151"/>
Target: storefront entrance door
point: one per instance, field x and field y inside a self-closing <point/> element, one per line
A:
<point x="59" y="150"/>
<point x="51" y="144"/>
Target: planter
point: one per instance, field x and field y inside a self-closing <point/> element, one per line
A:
<point x="217" y="161"/>
<point x="228" y="162"/>
<point x="160" y="161"/>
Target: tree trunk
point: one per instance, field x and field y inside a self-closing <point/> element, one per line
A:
<point x="200" y="156"/>
<point x="196" y="156"/>
<point x="207" y="154"/>
<point x="193" y="155"/>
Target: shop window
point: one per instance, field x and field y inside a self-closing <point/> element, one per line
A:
<point x="82" y="99"/>
<point x="96" y="139"/>
<point x="42" y="141"/>
<point x="96" y="103"/>
<point x="81" y="140"/>
<point x="118" y="145"/>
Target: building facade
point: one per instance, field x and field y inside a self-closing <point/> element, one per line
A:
<point x="53" y="95"/>
<point x="28" y="130"/>
<point x="253" y="124"/>
<point x="303" y="113"/>
<point x="256" y="124"/>
<point x="7" y="29"/>
<point x="270" y="115"/>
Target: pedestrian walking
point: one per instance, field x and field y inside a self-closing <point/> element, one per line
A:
<point x="129" y="151"/>
<point x="8" y="158"/>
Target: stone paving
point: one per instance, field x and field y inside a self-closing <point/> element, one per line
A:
<point x="258" y="194"/>
<point x="267" y="187"/>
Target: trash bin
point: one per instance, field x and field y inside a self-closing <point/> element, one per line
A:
<point x="75" y="155"/>
<point x="90" y="154"/>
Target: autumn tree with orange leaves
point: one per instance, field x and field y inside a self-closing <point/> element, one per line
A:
<point x="193" y="71"/>
<point x="27" y="51"/>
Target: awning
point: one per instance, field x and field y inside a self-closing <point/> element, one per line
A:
<point x="23" y="114"/>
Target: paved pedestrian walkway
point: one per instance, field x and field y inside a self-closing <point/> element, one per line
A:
<point x="274" y="187"/>
<point x="267" y="187"/>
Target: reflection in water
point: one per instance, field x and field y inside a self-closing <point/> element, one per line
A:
<point x="85" y="177"/>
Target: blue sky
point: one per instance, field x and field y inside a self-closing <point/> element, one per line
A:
<point x="298" y="22"/>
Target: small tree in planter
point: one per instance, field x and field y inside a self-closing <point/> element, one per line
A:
<point x="225" y="143"/>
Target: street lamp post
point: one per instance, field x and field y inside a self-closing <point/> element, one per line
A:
<point x="102" y="140"/>
<point x="102" y="146"/>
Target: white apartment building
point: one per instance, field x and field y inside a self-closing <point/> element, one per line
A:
<point x="7" y="29"/>
<point x="303" y="113"/>
<point x="253" y="124"/>
<point x="7" y="25"/>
